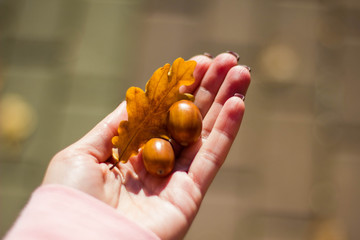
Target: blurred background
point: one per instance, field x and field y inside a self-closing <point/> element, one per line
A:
<point x="293" y="172"/>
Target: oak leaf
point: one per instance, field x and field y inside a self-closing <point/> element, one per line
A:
<point x="147" y="111"/>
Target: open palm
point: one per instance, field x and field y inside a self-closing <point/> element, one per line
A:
<point x="165" y="206"/>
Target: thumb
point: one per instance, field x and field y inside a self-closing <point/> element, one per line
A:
<point x="97" y="142"/>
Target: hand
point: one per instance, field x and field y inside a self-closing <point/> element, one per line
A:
<point x="166" y="206"/>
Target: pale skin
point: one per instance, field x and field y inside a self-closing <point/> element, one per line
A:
<point x="166" y="206"/>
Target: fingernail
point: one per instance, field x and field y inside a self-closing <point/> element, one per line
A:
<point x="208" y="55"/>
<point x="247" y="67"/>
<point x="239" y="95"/>
<point x="234" y="54"/>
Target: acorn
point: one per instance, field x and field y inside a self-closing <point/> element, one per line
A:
<point x="184" y="122"/>
<point x="158" y="157"/>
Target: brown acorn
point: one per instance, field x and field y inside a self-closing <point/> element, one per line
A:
<point x="184" y="122"/>
<point x="158" y="157"/>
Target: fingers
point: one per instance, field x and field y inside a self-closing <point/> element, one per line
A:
<point x="222" y="116"/>
<point x="212" y="80"/>
<point x="97" y="142"/>
<point x="216" y="147"/>
<point x="236" y="81"/>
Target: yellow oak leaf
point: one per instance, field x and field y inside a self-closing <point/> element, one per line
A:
<point x="147" y="111"/>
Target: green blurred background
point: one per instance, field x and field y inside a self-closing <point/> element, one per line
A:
<point x="293" y="172"/>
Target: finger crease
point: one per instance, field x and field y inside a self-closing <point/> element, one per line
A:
<point x="210" y="156"/>
<point x="229" y="135"/>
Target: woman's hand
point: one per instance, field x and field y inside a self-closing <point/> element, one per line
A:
<point x="166" y="206"/>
